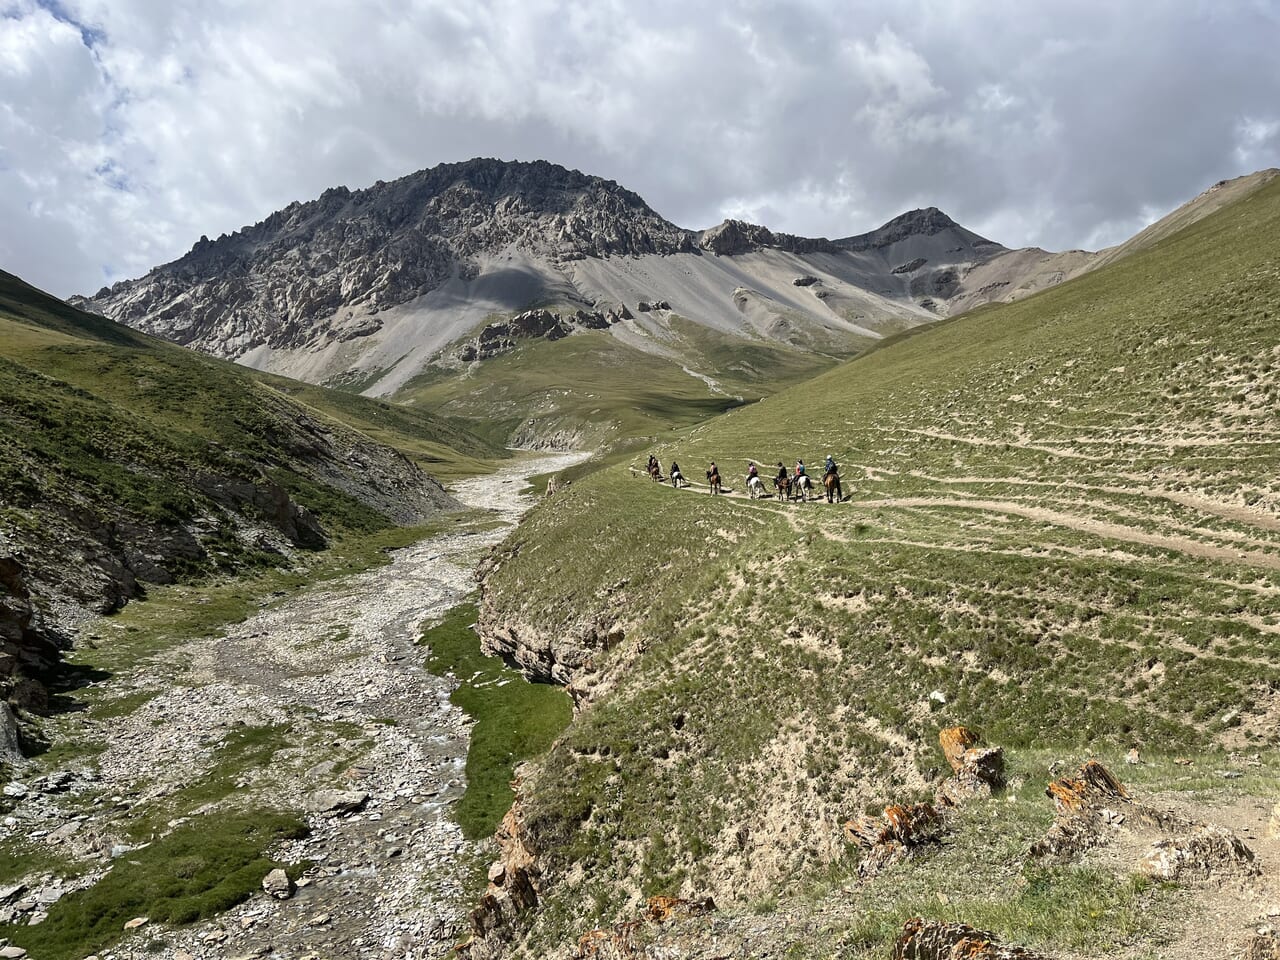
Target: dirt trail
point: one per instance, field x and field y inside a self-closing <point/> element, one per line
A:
<point x="336" y="669"/>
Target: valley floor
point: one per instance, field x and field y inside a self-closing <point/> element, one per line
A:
<point x="319" y="701"/>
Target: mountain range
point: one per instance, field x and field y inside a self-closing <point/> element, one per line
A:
<point x="407" y="288"/>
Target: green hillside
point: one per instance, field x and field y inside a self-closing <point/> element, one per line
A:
<point x="126" y="461"/>
<point x="593" y="388"/>
<point x="1062" y="530"/>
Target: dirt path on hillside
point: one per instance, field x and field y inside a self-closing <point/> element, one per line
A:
<point x="336" y="673"/>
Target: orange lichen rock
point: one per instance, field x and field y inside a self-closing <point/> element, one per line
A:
<point x="662" y="909"/>
<point x="978" y="769"/>
<point x="934" y="940"/>
<point x="611" y="943"/>
<point x="1094" y="784"/>
<point x="955" y="741"/>
<point x="627" y="940"/>
<point x="893" y="836"/>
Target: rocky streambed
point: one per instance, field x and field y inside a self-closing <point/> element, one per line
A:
<point x="323" y="699"/>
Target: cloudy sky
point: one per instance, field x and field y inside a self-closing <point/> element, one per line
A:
<point x="128" y="128"/>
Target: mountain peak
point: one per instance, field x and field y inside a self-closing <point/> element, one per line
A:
<point x="922" y="222"/>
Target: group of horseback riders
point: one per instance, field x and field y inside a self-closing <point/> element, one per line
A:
<point x="790" y="486"/>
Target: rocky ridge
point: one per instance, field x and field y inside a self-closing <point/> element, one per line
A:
<point x="269" y="283"/>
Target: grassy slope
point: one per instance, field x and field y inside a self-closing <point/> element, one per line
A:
<point x="594" y="385"/>
<point x="147" y="375"/>
<point x="1063" y="519"/>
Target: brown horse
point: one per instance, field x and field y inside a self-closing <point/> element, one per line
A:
<point x="713" y="481"/>
<point x="655" y="473"/>
<point x="783" y="485"/>
<point x="832" y="482"/>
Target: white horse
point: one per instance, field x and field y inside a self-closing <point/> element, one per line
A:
<point x="755" y="487"/>
<point x="801" y="487"/>
<point x="678" y="480"/>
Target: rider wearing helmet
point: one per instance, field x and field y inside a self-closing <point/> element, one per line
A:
<point x="830" y="466"/>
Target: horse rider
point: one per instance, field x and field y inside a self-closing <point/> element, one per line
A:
<point x="830" y="466"/>
<point x="751" y="470"/>
<point x="799" y="469"/>
<point x="782" y="474"/>
<point x="675" y="474"/>
<point x="653" y="462"/>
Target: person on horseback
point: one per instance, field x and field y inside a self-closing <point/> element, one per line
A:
<point x="713" y="477"/>
<point x="799" y="468"/>
<point x="676" y="476"/>
<point x="752" y="472"/>
<point x="782" y="473"/>
<point x="831" y="480"/>
<point x="653" y="462"/>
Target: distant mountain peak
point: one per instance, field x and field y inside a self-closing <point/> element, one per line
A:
<point x="922" y="222"/>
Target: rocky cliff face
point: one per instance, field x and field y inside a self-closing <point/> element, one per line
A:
<point x="271" y="283"/>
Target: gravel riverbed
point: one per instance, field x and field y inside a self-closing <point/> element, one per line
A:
<point x="335" y="670"/>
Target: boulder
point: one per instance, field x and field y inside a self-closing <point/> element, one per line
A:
<point x="897" y="834"/>
<point x="977" y="769"/>
<point x="1209" y="851"/>
<point x="278" y="885"/>
<point x="333" y="802"/>
<point x="935" y="940"/>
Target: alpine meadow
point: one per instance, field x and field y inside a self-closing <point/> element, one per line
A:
<point x="581" y="497"/>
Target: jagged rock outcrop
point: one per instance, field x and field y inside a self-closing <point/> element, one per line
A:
<point x="1093" y="808"/>
<point x="899" y="833"/>
<point x="27" y="655"/>
<point x="935" y="940"/>
<point x="977" y="769"/>
<point x="512" y="891"/>
<point x="733" y="237"/>
<point x="504" y="335"/>
<point x="1207" y="851"/>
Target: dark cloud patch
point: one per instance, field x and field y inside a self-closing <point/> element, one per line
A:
<point x="130" y="127"/>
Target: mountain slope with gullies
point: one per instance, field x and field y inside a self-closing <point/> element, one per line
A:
<point x="1060" y="528"/>
<point x="128" y="463"/>
<point x="450" y="286"/>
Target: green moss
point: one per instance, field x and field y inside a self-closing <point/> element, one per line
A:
<point x="514" y="719"/>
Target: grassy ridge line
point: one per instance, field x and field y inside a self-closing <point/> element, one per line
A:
<point x="435" y="442"/>
<point x="779" y="660"/>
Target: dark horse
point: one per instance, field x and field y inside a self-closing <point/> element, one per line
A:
<point x="782" y="484"/>
<point x="832" y="482"/>
<point x="713" y="480"/>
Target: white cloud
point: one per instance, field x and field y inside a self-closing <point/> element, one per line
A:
<point x="128" y="128"/>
